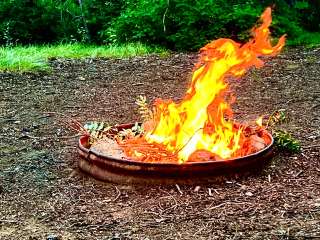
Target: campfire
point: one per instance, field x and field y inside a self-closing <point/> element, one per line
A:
<point x="199" y="128"/>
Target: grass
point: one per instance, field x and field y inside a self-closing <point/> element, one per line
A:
<point x="308" y="39"/>
<point x="35" y="58"/>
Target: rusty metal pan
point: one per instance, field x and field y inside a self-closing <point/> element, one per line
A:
<point x="127" y="171"/>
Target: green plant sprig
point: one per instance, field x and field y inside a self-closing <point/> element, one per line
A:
<point x="134" y="132"/>
<point x="101" y="130"/>
<point x="97" y="130"/>
<point x="283" y="140"/>
<point x="144" y="110"/>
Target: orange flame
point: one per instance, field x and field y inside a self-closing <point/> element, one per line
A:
<point x="200" y="123"/>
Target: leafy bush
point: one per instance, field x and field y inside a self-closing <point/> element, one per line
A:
<point x="17" y="16"/>
<point x="181" y="24"/>
<point x="32" y="21"/>
<point x="175" y="24"/>
<point x="99" y="14"/>
<point x="46" y="21"/>
<point x="185" y="25"/>
<point x="140" y="21"/>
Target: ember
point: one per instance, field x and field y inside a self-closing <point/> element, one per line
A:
<point x="200" y="127"/>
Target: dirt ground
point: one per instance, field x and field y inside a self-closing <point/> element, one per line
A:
<point x="44" y="196"/>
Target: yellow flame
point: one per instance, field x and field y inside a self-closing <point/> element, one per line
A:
<point x="259" y="121"/>
<point x="202" y="122"/>
<point x="199" y="121"/>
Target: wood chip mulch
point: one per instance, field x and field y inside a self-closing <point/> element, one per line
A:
<point x="44" y="196"/>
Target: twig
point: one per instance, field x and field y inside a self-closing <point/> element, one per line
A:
<point x="196" y="189"/>
<point x="68" y="137"/>
<point x="32" y="137"/>
<point x="298" y="174"/>
<point x="50" y="137"/>
<point x="9" y="120"/>
<point x="311" y="146"/>
<point x="225" y="203"/>
<point x="217" y="206"/>
<point x="164" y="16"/>
<point x="305" y="155"/>
<point x="137" y="84"/>
<point x="8" y="221"/>
<point x="118" y="194"/>
<point x="216" y="191"/>
<point x="179" y="189"/>
<point x="176" y="152"/>
<point x="69" y="146"/>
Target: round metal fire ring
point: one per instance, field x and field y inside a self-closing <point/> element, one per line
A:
<point x="126" y="171"/>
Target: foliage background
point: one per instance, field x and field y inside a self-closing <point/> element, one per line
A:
<point x="175" y="24"/>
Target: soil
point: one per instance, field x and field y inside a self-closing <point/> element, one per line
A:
<point x="43" y="195"/>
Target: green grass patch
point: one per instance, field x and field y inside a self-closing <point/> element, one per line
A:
<point x="35" y="58"/>
<point x="308" y="39"/>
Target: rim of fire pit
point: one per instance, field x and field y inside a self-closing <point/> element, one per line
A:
<point x="127" y="171"/>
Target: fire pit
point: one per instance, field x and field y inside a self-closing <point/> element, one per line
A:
<point x="107" y="168"/>
<point x="195" y="139"/>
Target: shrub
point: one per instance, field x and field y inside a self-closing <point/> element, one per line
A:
<point x="181" y="24"/>
<point x="98" y="15"/>
<point x="46" y="21"/>
<point x="185" y="25"/>
<point x="175" y="24"/>
<point x="36" y="21"/>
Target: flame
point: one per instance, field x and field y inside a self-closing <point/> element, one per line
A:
<point x="259" y="121"/>
<point x="201" y="124"/>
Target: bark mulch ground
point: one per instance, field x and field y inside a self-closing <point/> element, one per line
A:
<point x="44" y="196"/>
